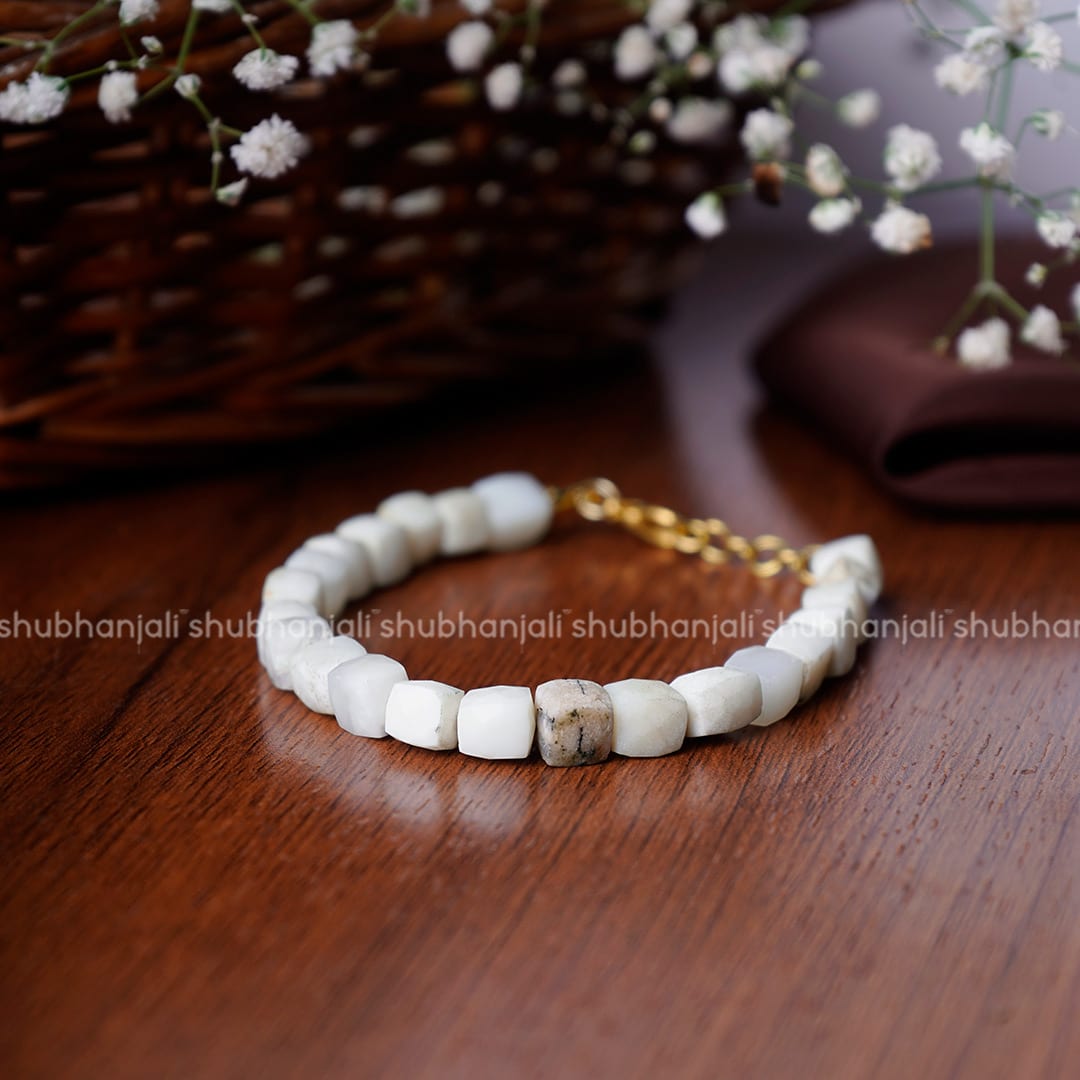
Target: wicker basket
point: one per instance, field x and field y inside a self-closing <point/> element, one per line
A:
<point x="143" y="321"/>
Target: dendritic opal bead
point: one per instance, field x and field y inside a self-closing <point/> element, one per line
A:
<point x="851" y="558"/>
<point x="838" y="627"/>
<point x="839" y="594"/>
<point x="415" y="512"/>
<point x="810" y="648"/>
<point x="519" y="509"/>
<point x="497" y="722"/>
<point x="719" y="700"/>
<point x="650" y="717"/>
<point x="574" y="722"/>
<point x="359" y="690"/>
<point x="465" y="526"/>
<point x="424" y="713"/>
<point x="385" y="544"/>
<point x="289" y="583"/>
<point x="311" y="667"/>
<point x="330" y="570"/>
<point x="352" y="555"/>
<point x="780" y="675"/>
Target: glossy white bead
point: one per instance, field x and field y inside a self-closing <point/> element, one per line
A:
<point x="497" y="722"/>
<point x="839" y="594"/>
<point x="311" y="667"/>
<point x="385" y="544"/>
<point x="279" y="639"/>
<point x="415" y="512"/>
<point x="331" y="571"/>
<point x="837" y="626"/>
<point x="289" y="583"/>
<point x="352" y="555"/>
<point x="518" y="508"/>
<point x="718" y="700"/>
<point x="359" y="690"/>
<point x="851" y="558"/>
<point x="274" y="611"/>
<point x="780" y="675"/>
<point x="810" y="648"/>
<point x="424" y="713"/>
<point x="465" y="526"/>
<point x="650" y="717"/>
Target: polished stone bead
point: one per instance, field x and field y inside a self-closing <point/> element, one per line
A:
<point x="331" y="570"/>
<point x="416" y="513"/>
<point x="424" y="713"/>
<point x="719" y="700"/>
<point x="384" y="542"/>
<point x="838" y="627"/>
<point x="851" y="558"/>
<point x="574" y="722"/>
<point x="465" y="527"/>
<point x="497" y="722"/>
<point x="311" y="667"/>
<point x="813" y="651"/>
<point x="289" y="583"/>
<point x="650" y="717"/>
<point x="780" y="674"/>
<point x="354" y="557"/>
<point x="518" y="507"/>
<point x="359" y="690"/>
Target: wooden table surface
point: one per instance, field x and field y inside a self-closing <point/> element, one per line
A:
<point x="204" y="879"/>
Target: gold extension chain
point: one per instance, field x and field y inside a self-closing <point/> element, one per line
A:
<point x="764" y="556"/>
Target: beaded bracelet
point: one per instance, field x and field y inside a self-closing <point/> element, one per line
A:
<point x="573" y="721"/>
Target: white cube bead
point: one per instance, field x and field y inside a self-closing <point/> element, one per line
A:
<point x="839" y="594"/>
<point x="497" y="722"/>
<point x="851" y="558"/>
<point x="415" y="512"/>
<point x="275" y="611"/>
<point x="352" y="555"/>
<point x="718" y="699"/>
<point x="810" y="648"/>
<point x="359" y="690"/>
<point x="279" y="639"/>
<point x="837" y="625"/>
<point x="780" y="675"/>
<point x="311" y="667"/>
<point x="518" y="507"/>
<point x="424" y="713"/>
<point x="330" y="570"/>
<point x="384" y="543"/>
<point x="650" y="717"/>
<point x="464" y="521"/>
<point x="288" y="583"/>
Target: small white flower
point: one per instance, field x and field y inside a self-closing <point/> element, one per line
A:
<point x="696" y="120"/>
<point x="467" y="45"/>
<point x="699" y="65"/>
<point x="832" y="215"/>
<point x="151" y="44"/>
<point x="825" y="172"/>
<point x="569" y="74"/>
<point x="117" y="94"/>
<point x="766" y="134"/>
<point x="270" y="148"/>
<point x="1048" y="122"/>
<point x="132" y="11"/>
<point x="1056" y="229"/>
<point x="985" y="347"/>
<point x="503" y="85"/>
<point x="476" y="7"/>
<point x="1015" y="16"/>
<point x="960" y="74"/>
<point x="705" y="215"/>
<point x="791" y="33"/>
<point x="992" y="153"/>
<point x="860" y="108"/>
<point x="231" y="194"/>
<point x="1045" y="48"/>
<point x="1074" y="296"/>
<point x="680" y="41"/>
<point x="187" y="86"/>
<point x="911" y="157"/>
<point x="333" y="47"/>
<point x="218" y="7"/>
<point x="40" y="98"/>
<point x="1043" y="331"/>
<point x="664" y="14"/>
<point x="421" y="9"/>
<point x="901" y="231"/>
<point x="264" y="69"/>
<point x="763" y="68"/>
<point x="810" y="69"/>
<point x="1036" y="275"/>
<point x="985" y="44"/>
<point x="635" y="54"/>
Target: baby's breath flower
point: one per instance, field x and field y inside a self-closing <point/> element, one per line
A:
<point x="1042" y="331"/>
<point x="569" y="74"/>
<point x="832" y="215"/>
<point x="992" y="153"/>
<point x="1036" y="275"/>
<point x="468" y="43"/>
<point x="1015" y="16"/>
<point x="901" y="231"/>
<point x="766" y="135"/>
<point x="264" y="69"/>
<point x="762" y="68"/>
<point x="476" y="7"/>
<point x="985" y="44"/>
<point x="705" y="215"/>
<point x="132" y="11"/>
<point x="635" y="54"/>
<point x="187" y="86"/>
<point x="696" y="120"/>
<point x="1048" y="122"/>
<point x="985" y="347"/>
<point x="1056" y="229"/>
<point x="151" y="44"/>
<point x="960" y="74"/>
<point x="699" y="65"/>
<point x="39" y="98"/>
<point x="231" y="194"/>
<point x="664" y="14"/>
<point x="825" y="172"/>
<point x="117" y="94"/>
<point x="860" y="108"/>
<point x="270" y="148"/>
<point x="680" y="41"/>
<point x="217" y="7"/>
<point x="911" y="157"/>
<point x="1045" y="48"/>
<point x="333" y="47"/>
<point x="503" y="85"/>
<point x="809" y="70"/>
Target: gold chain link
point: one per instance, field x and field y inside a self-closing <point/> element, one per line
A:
<point x="765" y="556"/>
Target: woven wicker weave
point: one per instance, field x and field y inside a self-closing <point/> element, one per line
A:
<point x="142" y="320"/>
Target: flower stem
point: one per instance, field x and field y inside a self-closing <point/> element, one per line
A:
<point x="50" y="49"/>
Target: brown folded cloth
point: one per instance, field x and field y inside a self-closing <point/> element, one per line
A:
<point x="856" y="361"/>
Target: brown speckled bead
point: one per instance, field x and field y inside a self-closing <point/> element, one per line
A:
<point x="574" y="722"/>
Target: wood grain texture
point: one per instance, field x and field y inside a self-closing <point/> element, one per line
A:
<point x="202" y="878"/>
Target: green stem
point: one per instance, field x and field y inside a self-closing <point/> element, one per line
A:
<point x="302" y="9"/>
<point x="181" y="57"/>
<point x="50" y="49"/>
<point x="250" y="25"/>
<point x="986" y="238"/>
